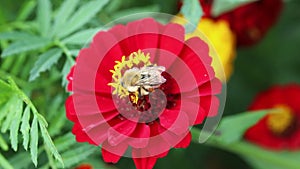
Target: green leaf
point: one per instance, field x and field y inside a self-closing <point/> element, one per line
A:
<point x="5" y="89"/>
<point x="25" y="127"/>
<point x="220" y="6"/>
<point x="77" y="154"/>
<point x="56" y="103"/>
<point x="82" y="16"/>
<point x="10" y="110"/>
<point x="48" y="142"/>
<point x="44" y="16"/>
<point x="14" y="127"/>
<point x="289" y="160"/>
<point x="25" y="45"/>
<point x="4" y="163"/>
<point x="4" y="110"/>
<point x="58" y="122"/>
<point x="26" y="10"/>
<point x="113" y="6"/>
<point x="81" y="38"/>
<point x="232" y="128"/>
<point x="20" y="160"/>
<point x="42" y="120"/>
<point x="65" y="142"/>
<point x="64" y="12"/>
<point x="3" y="144"/>
<point x="15" y="35"/>
<point x="34" y="138"/>
<point x="284" y="159"/>
<point x="192" y="12"/>
<point x="258" y="164"/>
<point x="134" y="11"/>
<point x="44" y="62"/>
<point x="74" y="52"/>
<point x="65" y="71"/>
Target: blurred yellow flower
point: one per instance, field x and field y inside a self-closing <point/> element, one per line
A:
<point x="221" y="42"/>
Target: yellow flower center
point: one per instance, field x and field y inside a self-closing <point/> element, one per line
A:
<point x="280" y="119"/>
<point x="135" y="59"/>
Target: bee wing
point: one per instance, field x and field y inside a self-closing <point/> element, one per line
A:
<point x="153" y="68"/>
<point x="151" y="76"/>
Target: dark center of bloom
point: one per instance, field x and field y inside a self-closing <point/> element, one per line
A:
<point x="254" y="33"/>
<point x="281" y="120"/>
<point x="137" y="88"/>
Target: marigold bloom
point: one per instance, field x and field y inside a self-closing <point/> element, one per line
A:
<point x="138" y="88"/>
<point x="280" y="129"/>
<point x="220" y="39"/>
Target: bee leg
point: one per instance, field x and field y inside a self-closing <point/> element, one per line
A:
<point x="140" y="92"/>
<point x="151" y="89"/>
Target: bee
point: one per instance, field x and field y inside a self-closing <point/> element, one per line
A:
<point x="142" y="81"/>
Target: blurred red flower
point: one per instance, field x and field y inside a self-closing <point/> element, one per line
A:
<point x="206" y="7"/>
<point x="108" y="109"/>
<point x="249" y="22"/>
<point x="252" y="21"/>
<point x="280" y="129"/>
<point x="84" y="166"/>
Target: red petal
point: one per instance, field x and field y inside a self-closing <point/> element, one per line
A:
<point x="70" y="111"/>
<point x="200" y="49"/>
<point x="174" y="121"/>
<point x="140" y="136"/>
<point x="294" y="143"/>
<point x="209" y="88"/>
<point x="210" y="104"/>
<point x="112" y="154"/>
<point x="105" y="103"/>
<point x="185" y="142"/>
<point x="172" y="41"/>
<point x="261" y="135"/>
<point x="107" y="50"/>
<point x="291" y="97"/>
<point x="85" y="71"/>
<point x="196" y="114"/>
<point x="192" y="69"/>
<point x="110" y="157"/>
<point x="121" y="131"/>
<point x="80" y="135"/>
<point x="141" y="34"/>
<point x="119" y="32"/>
<point x="145" y="163"/>
<point x="162" y="155"/>
<point x="70" y="79"/>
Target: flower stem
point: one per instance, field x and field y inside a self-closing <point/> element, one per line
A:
<point x="248" y="150"/>
<point x="65" y="50"/>
<point x="22" y="95"/>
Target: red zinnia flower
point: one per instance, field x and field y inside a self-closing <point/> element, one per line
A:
<point x="138" y="88"/>
<point x="281" y="128"/>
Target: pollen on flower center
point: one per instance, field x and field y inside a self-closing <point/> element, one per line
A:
<point x="280" y="119"/>
<point x="136" y="77"/>
<point x="135" y="59"/>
